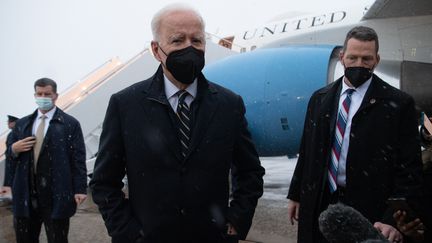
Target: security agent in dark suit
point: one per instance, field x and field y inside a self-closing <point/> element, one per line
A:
<point x="11" y="121"/>
<point x="48" y="170"/>
<point x="6" y="190"/>
<point x="177" y="193"/>
<point x="377" y="156"/>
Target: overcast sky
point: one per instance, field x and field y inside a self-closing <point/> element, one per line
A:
<point x="65" y="40"/>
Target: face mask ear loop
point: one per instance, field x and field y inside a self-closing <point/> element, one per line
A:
<point x="163" y="53"/>
<point x="162" y="50"/>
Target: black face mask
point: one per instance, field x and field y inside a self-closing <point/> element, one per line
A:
<point x="185" y="64"/>
<point x="357" y="75"/>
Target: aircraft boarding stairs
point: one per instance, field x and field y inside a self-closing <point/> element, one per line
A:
<point x="87" y="100"/>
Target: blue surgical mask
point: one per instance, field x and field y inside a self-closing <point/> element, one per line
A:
<point x="44" y="103"/>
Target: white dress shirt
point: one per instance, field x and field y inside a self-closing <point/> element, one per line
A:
<point x="356" y="100"/>
<point x="49" y="115"/>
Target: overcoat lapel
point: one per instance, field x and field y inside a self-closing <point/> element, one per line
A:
<point x="329" y="106"/>
<point x="57" y="118"/>
<point x="27" y="132"/>
<point x="157" y="110"/>
<point x="373" y="95"/>
<point x="207" y="101"/>
<point x="29" y="126"/>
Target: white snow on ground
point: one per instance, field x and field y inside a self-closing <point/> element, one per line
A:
<point x="279" y="171"/>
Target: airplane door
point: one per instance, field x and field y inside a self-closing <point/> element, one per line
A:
<point x="416" y="80"/>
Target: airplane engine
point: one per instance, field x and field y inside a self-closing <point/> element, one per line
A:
<point x="276" y="85"/>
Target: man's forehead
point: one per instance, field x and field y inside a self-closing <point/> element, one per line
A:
<point x="180" y="34"/>
<point x="360" y="45"/>
<point x="47" y="88"/>
<point x="356" y="42"/>
<point x="171" y="32"/>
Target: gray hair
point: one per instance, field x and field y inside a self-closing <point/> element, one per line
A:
<point x="176" y="7"/>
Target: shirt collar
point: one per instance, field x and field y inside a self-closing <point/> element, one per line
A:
<point x="171" y="89"/>
<point x="48" y="115"/>
<point x="359" y="90"/>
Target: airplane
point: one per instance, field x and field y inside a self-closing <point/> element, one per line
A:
<point x="275" y="68"/>
<point x="283" y="62"/>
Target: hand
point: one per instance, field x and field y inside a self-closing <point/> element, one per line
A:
<point x="231" y="230"/>
<point x="293" y="211"/>
<point x="426" y="136"/>
<point x="23" y="145"/>
<point x="79" y="198"/>
<point x="413" y="229"/>
<point x="389" y="232"/>
<point x="5" y="190"/>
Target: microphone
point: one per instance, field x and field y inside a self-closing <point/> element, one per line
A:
<point x="343" y="224"/>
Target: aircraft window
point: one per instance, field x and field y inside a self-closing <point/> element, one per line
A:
<point x="284" y="123"/>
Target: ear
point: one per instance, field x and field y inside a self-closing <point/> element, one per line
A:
<point x="341" y="54"/>
<point x="54" y="99"/>
<point x="378" y="59"/>
<point x="155" y="50"/>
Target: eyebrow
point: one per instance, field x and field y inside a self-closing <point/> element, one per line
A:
<point x="176" y="36"/>
<point x="181" y="35"/>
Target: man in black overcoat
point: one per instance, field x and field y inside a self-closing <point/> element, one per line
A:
<point x="359" y="150"/>
<point x="6" y="190"/>
<point x="176" y="135"/>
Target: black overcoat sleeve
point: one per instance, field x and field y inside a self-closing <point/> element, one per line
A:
<point x="248" y="174"/>
<point x="107" y="184"/>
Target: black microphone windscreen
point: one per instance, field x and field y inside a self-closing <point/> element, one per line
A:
<point x="343" y="224"/>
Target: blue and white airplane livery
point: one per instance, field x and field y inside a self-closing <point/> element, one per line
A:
<point x="283" y="62"/>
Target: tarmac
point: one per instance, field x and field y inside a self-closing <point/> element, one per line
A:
<point x="270" y="223"/>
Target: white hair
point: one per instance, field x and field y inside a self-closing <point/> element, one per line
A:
<point x="175" y="7"/>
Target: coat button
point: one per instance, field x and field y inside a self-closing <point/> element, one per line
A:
<point x="183" y="170"/>
<point x="183" y="212"/>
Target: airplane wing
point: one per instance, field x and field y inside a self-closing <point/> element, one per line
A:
<point x="398" y="8"/>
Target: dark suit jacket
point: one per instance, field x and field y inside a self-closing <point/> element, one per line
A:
<point x="166" y="192"/>
<point x="61" y="168"/>
<point x="383" y="156"/>
<point x="8" y="175"/>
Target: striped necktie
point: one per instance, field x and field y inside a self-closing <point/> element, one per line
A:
<point x="337" y="143"/>
<point x="183" y="114"/>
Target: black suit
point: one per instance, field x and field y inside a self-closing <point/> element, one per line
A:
<point x="8" y="175"/>
<point x="172" y="199"/>
<point x="383" y="157"/>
